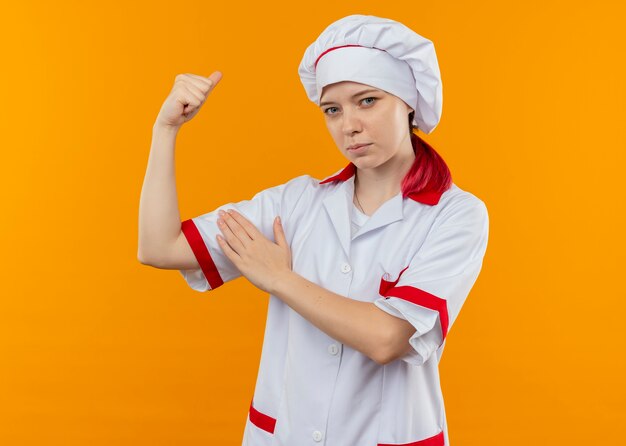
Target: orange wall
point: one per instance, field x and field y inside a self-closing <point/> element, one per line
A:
<point x="98" y="349"/>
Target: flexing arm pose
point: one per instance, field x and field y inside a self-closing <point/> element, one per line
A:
<point x="161" y="242"/>
<point x="267" y="265"/>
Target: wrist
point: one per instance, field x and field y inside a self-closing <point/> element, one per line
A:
<point x="165" y="128"/>
<point x="281" y="281"/>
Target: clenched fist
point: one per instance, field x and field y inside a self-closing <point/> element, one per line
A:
<point x="187" y="96"/>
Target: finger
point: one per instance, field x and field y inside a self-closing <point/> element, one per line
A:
<point x="197" y="92"/>
<point x="245" y="224"/>
<point x="232" y="239"/>
<point x="205" y="84"/>
<point x="281" y="239"/>
<point x="237" y="229"/>
<point x="210" y="80"/>
<point x="196" y="76"/>
<point x="228" y="251"/>
<point x="279" y="233"/>
<point x="203" y="87"/>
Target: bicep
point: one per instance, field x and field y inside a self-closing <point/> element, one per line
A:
<point x="197" y="253"/>
<point x="178" y="255"/>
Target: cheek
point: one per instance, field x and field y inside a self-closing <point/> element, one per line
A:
<point x="334" y="130"/>
<point x="397" y="124"/>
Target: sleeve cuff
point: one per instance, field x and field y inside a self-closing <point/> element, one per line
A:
<point x="207" y="277"/>
<point x="427" y="337"/>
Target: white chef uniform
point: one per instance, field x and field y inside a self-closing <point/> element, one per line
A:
<point x="416" y="258"/>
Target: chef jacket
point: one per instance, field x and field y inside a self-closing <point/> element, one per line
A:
<point x="415" y="257"/>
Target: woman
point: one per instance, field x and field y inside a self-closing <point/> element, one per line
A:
<point x="368" y="268"/>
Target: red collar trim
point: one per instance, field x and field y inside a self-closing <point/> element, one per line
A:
<point x="344" y="175"/>
<point x="426" y="197"/>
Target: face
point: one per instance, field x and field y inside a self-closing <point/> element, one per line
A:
<point x="361" y="114"/>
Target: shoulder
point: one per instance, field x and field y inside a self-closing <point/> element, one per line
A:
<point x="291" y="189"/>
<point x="300" y="185"/>
<point x="306" y="184"/>
<point x="460" y="206"/>
<point x="296" y="190"/>
<point x="304" y="181"/>
<point x="299" y="191"/>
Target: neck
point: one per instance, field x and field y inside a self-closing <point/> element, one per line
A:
<point x="379" y="184"/>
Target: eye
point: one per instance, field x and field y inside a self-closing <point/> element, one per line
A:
<point x="369" y="103"/>
<point x="328" y="111"/>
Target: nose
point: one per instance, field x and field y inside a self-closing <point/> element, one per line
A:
<point x="351" y="122"/>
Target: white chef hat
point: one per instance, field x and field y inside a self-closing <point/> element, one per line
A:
<point x="379" y="52"/>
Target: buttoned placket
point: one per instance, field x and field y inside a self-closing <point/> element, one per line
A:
<point x="335" y="349"/>
<point x="337" y="205"/>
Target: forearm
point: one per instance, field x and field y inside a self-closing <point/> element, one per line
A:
<point x="361" y="325"/>
<point x="159" y="217"/>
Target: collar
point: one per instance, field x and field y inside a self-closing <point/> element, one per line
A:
<point x="429" y="197"/>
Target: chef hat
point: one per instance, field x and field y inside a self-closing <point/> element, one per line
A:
<point x="379" y="52"/>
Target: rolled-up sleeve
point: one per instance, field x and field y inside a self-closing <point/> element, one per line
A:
<point x="215" y="268"/>
<point x="432" y="288"/>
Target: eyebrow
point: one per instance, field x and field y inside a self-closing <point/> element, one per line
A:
<point x="353" y="96"/>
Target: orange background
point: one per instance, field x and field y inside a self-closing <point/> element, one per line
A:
<point x="98" y="349"/>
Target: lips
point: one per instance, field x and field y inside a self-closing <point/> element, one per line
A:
<point x="357" y="146"/>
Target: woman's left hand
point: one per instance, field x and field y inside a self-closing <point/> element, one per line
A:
<point x="259" y="259"/>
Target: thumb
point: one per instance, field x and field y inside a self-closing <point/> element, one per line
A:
<point x="279" y="234"/>
<point x="215" y="77"/>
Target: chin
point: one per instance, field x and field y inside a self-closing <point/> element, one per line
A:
<point x="363" y="163"/>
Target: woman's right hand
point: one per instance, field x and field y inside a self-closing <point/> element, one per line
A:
<point x="187" y="96"/>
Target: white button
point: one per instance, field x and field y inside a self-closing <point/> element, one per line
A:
<point x="333" y="349"/>
<point x="317" y="436"/>
<point x="345" y="268"/>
